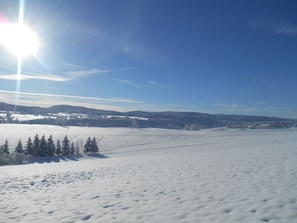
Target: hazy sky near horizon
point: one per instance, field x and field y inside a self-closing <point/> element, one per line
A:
<point x="231" y="56"/>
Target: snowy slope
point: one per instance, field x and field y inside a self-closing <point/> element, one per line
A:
<point x="156" y="175"/>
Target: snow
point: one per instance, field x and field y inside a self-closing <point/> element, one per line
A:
<point x="27" y="117"/>
<point x="156" y="175"/>
<point x="125" y="117"/>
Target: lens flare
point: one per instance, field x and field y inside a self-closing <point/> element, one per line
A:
<point x="18" y="39"/>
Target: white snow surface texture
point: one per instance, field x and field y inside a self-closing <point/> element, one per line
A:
<point x="156" y="175"/>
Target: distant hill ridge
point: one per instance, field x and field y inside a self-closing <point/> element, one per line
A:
<point x="166" y="119"/>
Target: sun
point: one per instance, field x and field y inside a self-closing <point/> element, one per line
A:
<point x="19" y="39"/>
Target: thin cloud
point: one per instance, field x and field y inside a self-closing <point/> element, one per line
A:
<point x="260" y="103"/>
<point x="117" y="100"/>
<point x="131" y="83"/>
<point x="135" y="50"/>
<point x="256" y="80"/>
<point x="155" y="84"/>
<point x="71" y="65"/>
<point x="35" y="100"/>
<point x="285" y="29"/>
<point x="234" y="107"/>
<point x="276" y="28"/>
<point x="48" y="77"/>
<point x="285" y="112"/>
<point x="258" y="109"/>
<point x="148" y="84"/>
<point x="83" y="73"/>
<point x="67" y="76"/>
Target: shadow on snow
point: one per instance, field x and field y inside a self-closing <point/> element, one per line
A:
<point x="57" y="159"/>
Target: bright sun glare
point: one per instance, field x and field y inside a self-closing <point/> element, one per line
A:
<point x="18" y="39"/>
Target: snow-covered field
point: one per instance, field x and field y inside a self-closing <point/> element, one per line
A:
<point x="155" y="175"/>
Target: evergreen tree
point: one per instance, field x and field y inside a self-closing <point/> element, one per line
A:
<point x="36" y="146"/>
<point x="65" y="146"/>
<point x="59" y="150"/>
<point x="88" y="146"/>
<point x="19" y="147"/>
<point x="4" y="153"/>
<point x="72" y="149"/>
<point x="43" y="149"/>
<point x="5" y="148"/>
<point x="95" y="147"/>
<point x="78" y="148"/>
<point x="1" y="149"/>
<point x="51" y="146"/>
<point x="29" y="147"/>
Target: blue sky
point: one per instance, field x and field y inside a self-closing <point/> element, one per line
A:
<point x="233" y="57"/>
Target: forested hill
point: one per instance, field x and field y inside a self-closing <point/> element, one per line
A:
<point x="169" y="119"/>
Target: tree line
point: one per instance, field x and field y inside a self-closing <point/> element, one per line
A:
<point x="42" y="147"/>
